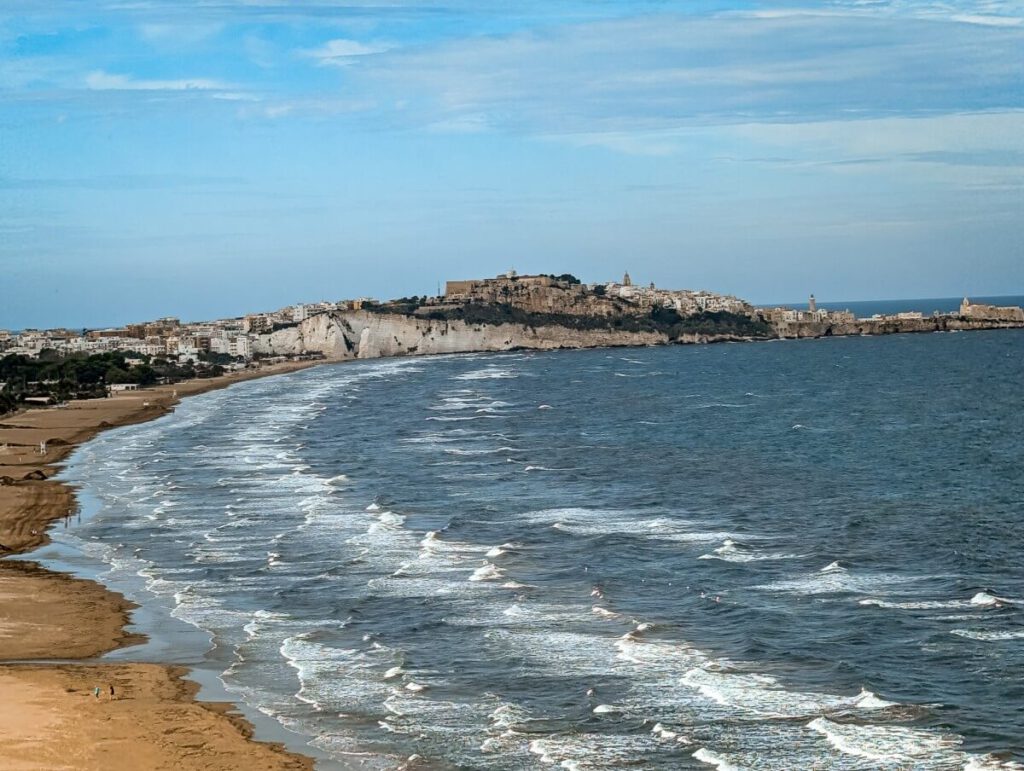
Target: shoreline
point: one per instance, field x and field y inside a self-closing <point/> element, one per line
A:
<point x="53" y="624"/>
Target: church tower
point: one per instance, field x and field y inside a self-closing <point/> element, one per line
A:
<point x="626" y="280"/>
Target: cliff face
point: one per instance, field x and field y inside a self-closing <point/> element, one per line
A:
<point x="363" y="335"/>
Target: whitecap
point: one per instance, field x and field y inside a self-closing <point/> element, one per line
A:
<point x="986" y="636"/>
<point x="985" y="598"/>
<point x="888" y="743"/>
<point x="705" y="755"/>
<point x="764" y="695"/>
<point x="487" y="573"/>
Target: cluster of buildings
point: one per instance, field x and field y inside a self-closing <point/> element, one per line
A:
<point x="813" y="314"/>
<point x="564" y="295"/>
<point x="167" y="337"/>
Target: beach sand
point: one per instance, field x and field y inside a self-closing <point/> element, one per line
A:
<point x="49" y="718"/>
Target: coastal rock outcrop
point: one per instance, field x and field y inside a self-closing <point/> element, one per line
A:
<point x="366" y="335"/>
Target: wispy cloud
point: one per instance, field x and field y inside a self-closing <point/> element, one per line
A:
<point x="988" y="21"/>
<point x="662" y="72"/>
<point x="341" y="52"/>
<point x="98" y="80"/>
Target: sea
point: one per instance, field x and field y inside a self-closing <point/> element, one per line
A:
<point x="774" y="556"/>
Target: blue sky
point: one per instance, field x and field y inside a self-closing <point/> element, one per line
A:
<point x="205" y="158"/>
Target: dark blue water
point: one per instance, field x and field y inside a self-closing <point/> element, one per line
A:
<point x="783" y="555"/>
<point x="867" y="308"/>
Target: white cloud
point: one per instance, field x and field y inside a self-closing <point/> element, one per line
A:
<point x="988" y="21"/>
<point x="341" y="52"/>
<point x="98" y="80"/>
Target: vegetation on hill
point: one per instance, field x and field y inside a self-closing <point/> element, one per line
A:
<point x="665" y="320"/>
<point x="568" y="278"/>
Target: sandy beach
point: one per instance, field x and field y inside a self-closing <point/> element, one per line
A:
<point x="49" y="715"/>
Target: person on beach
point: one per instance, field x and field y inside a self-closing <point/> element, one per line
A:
<point x="111" y="692"/>
<point x="96" y="692"/>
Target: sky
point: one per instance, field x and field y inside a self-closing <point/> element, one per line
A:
<point x="207" y="158"/>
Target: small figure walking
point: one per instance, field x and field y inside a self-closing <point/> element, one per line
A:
<point x="111" y="692"/>
<point x="96" y="691"/>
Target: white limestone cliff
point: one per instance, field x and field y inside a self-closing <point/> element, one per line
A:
<point x="364" y="335"/>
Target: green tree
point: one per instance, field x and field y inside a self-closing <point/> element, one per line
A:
<point x="115" y="374"/>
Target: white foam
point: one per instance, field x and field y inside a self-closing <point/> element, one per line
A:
<point x="991" y="763"/>
<point x="835" y="579"/>
<point x="986" y="636"/>
<point x="868" y="700"/>
<point x="984" y="598"/>
<point x="593" y="751"/>
<point x="705" y="755"/>
<point x="921" y="605"/>
<point x="487" y="573"/>
<point x="764" y="695"/>
<point x="730" y="551"/>
<point x="889" y="743"/>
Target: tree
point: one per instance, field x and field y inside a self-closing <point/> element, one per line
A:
<point x="143" y="374"/>
<point x="117" y="375"/>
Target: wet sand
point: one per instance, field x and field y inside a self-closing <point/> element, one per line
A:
<point x="49" y="718"/>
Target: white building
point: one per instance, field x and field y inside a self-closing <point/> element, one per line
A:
<point x="240" y="345"/>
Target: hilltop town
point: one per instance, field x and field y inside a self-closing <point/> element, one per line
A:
<point x="236" y="340"/>
<point x="500" y="313"/>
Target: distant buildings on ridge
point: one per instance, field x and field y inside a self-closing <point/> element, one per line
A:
<point x="562" y="295"/>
